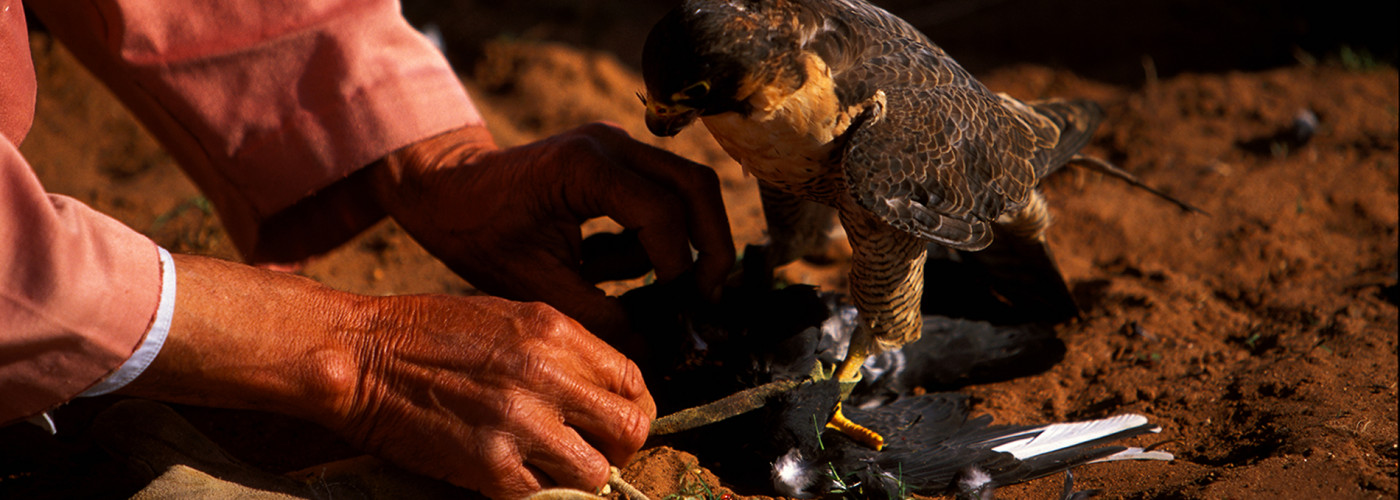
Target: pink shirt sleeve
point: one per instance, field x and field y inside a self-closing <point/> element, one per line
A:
<point x="268" y="105"/>
<point x="78" y="291"/>
<point x="17" y="86"/>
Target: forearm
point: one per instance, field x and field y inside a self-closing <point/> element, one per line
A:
<point x="247" y="338"/>
<point x="269" y="106"/>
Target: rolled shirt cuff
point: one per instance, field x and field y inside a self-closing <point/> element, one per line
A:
<point x="155" y="337"/>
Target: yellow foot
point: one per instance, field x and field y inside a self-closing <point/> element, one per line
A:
<point x="858" y="432"/>
<point x="848" y="374"/>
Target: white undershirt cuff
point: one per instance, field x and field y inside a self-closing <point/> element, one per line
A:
<point x="155" y="338"/>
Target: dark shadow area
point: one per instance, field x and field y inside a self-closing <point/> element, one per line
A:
<point x="1105" y="40"/>
<point x="1109" y="40"/>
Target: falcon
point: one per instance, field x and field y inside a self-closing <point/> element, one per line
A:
<point x="839" y="106"/>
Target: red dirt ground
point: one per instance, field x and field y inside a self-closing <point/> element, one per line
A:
<point x="1271" y="324"/>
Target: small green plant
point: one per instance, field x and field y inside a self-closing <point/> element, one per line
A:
<point x="694" y="487"/>
<point x="844" y="487"/>
<point x="1146" y="357"/>
<point x="840" y="487"/>
<point x="903" y="487"/>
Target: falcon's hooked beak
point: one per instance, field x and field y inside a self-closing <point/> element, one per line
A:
<point x="666" y="120"/>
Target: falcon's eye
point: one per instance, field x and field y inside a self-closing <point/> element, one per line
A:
<point x="694" y="91"/>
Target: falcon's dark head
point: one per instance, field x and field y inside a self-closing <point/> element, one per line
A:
<point x="705" y="57"/>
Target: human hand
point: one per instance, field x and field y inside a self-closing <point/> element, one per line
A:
<point x="507" y="220"/>
<point x="527" y="399"/>
<point x="498" y="396"/>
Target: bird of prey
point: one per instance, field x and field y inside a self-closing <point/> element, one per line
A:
<point x="839" y="106"/>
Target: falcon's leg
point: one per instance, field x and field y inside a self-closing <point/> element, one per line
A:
<point x="797" y="228"/>
<point x="887" y="281"/>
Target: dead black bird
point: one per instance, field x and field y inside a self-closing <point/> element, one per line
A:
<point x="759" y="333"/>
<point x="932" y="447"/>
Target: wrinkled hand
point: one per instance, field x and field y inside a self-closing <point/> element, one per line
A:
<point x="507" y="220"/>
<point x="498" y="396"/>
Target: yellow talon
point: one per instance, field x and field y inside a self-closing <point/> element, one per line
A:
<point x="849" y="372"/>
<point x="858" y="432"/>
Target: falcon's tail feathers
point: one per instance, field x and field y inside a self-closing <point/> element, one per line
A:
<point x="1077" y="120"/>
<point x="1109" y="169"/>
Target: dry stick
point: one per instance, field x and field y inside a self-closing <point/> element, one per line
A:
<point x="618" y="483"/>
<point x="729" y="406"/>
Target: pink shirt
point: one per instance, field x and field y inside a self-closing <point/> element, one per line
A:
<point x="265" y="104"/>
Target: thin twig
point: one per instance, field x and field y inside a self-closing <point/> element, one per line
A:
<point x="730" y="406"/>
<point x="616" y="481"/>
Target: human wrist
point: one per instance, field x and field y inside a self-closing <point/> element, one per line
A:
<point x="400" y="178"/>
<point x="155" y="337"/>
<point x="247" y="338"/>
<point x="331" y="381"/>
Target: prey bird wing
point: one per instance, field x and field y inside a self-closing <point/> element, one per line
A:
<point x="934" y="446"/>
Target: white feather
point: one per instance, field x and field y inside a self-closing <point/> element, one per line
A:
<point x="700" y="344"/>
<point x="1136" y="454"/>
<point x="836" y="332"/>
<point x="792" y="475"/>
<point x="1054" y="437"/>
<point x="974" y="479"/>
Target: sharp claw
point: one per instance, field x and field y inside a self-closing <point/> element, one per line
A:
<point x="860" y="433"/>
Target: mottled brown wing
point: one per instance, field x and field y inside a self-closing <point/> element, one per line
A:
<point x="943" y="162"/>
<point x="869" y="49"/>
<point x="946" y="156"/>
